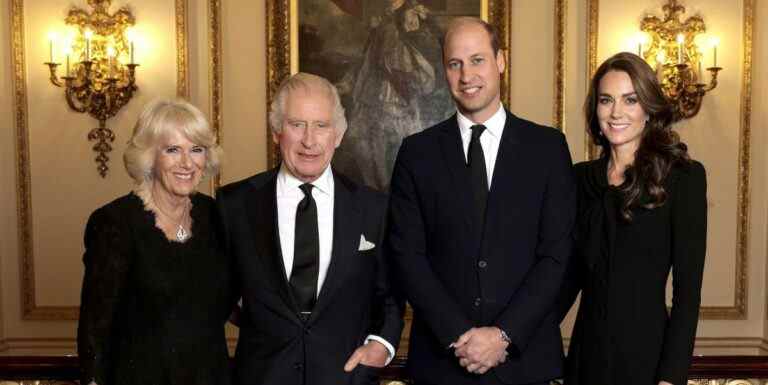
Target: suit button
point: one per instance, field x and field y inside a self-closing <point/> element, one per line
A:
<point x="482" y="264"/>
<point x="298" y="366"/>
<point x="478" y="301"/>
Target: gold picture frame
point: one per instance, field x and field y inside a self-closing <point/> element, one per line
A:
<point x="282" y="46"/>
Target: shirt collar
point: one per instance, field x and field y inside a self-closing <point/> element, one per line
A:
<point x="494" y="125"/>
<point x="323" y="184"/>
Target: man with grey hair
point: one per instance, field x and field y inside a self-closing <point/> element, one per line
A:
<point x="305" y="248"/>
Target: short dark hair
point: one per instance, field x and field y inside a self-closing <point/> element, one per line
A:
<point x="490" y="29"/>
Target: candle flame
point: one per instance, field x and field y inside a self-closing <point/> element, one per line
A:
<point x="130" y="34"/>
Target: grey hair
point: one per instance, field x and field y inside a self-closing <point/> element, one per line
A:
<point x="158" y="118"/>
<point x="306" y="82"/>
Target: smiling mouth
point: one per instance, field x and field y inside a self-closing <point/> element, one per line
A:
<point x="309" y="156"/>
<point x="618" y="126"/>
<point x="183" y="176"/>
<point x="471" y="90"/>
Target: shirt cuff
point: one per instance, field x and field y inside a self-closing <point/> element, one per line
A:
<point x="390" y="348"/>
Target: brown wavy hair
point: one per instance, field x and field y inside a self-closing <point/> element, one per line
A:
<point x="660" y="147"/>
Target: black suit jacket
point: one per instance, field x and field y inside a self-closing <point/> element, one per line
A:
<point x="275" y="346"/>
<point x="456" y="275"/>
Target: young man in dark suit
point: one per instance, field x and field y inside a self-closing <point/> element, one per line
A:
<point x="305" y="245"/>
<point x="481" y="211"/>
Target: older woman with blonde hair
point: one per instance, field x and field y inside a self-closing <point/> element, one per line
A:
<point x="155" y="292"/>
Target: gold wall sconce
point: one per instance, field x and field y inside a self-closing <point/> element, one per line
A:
<point x="677" y="50"/>
<point x="100" y="70"/>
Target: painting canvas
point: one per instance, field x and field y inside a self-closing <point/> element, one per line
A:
<point x="384" y="56"/>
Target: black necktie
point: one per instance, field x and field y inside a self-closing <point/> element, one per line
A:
<point x="306" y="253"/>
<point x="476" y="160"/>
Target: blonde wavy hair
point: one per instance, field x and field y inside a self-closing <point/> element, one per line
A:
<point x="159" y="118"/>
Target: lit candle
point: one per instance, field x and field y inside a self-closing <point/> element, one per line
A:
<point x="642" y="39"/>
<point x="67" y="52"/>
<point x="50" y="50"/>
<point x="714" y="41"/>
<point x="701" y="75"/>
<point x="111" y="53"/>
<point x="88" y="37"/>
<point x="680" y="40"/>
<point x="130" y="34"/>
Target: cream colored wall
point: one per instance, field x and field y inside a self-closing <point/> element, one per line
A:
<point x="712" y="136"/>
<point x="532" y="88"/>
<point x="244" y="112"/>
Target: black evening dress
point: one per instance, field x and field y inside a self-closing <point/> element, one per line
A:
<point x="623" y="332"/>
<point x="152" y="310"/>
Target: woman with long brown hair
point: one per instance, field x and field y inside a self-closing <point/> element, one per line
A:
<point x="642" y="212"/>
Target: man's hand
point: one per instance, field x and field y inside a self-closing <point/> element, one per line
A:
<point x="480" y="349"/>
<point x="371" y="354"/>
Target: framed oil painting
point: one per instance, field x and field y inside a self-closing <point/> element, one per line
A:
<point x="384" y="56"/>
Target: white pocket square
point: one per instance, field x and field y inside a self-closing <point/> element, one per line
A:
<point x="364" y="244"/>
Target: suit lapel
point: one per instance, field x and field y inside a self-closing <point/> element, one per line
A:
<point x="456" y="163"/>
<point x="262" y="212"/>
<point x="509" y="167"/>
<point x="346" y="238"/>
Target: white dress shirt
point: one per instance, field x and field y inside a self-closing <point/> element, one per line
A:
<point x="489" y="140"/>
<point x="288" y="197"/>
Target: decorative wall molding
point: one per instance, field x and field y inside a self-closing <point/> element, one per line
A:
<point x="43" y="346"/>
<point x="593" y="18"/>
<point x="30" y="308"/>
<point x="737" y="311"/>
<point x="182" y="53"/>
<point x="561" y="28"/>
<point x="215" y="74"/>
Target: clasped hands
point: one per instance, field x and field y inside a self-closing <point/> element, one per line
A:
<point x="480" y="349"/>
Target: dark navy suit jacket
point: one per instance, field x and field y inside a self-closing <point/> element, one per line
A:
<point x="457" y="275"/>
